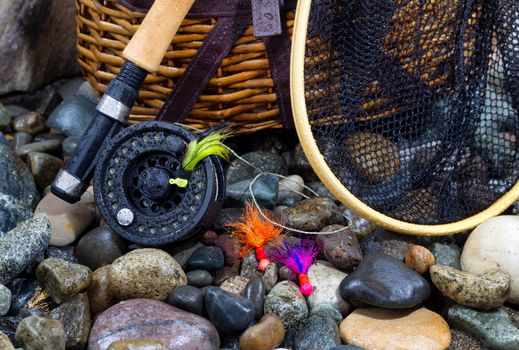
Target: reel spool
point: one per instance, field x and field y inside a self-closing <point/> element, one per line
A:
<point x="133" y="193"/>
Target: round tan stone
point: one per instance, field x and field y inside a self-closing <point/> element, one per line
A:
<point x="375" y="329"/>
<point x="235" y="284"/>
<point x="5" y="343"/>
<point x="266" y="335"/>
<point x="419" y="258"/>
<point x="495" y="244"/>
<point x="145" y="273"/>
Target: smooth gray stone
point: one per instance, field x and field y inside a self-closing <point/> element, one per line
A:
<point x="255" y="292"/>
<point x="265" y="190"/>
<point x="228" y="312"/>
<point x="199" y="278"/>
<point x="72" y="116"/>
<point x="494" y="328"/>
<point x="187" y="298"/>
<point x="446" y="254"/>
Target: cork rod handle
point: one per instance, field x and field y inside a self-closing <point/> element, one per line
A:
<point x="150" y="43"/>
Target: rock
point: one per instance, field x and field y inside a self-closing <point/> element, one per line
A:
<point x="5" y="299"/>
<point x="21" y="138"/>
<point x="209" y="237"/>
<point x="187" y="298"/>
<point x="494" y="328"/>
<point x="418" y="329"/>
<point x="32" y="123"/>
<point x="146" y="318"/>
<point x="326" y="280"/>
<point x="5" y="343"/>
<point x="183" y="253"/>
<point x="383" y="281"/>
<point x="317" y="188"/>
<point x="68" y="221"/>
<point x="342" y="249"/>
<point x="145" y="273"/>
<point x="63" y="279"/>
<point x="64" y="253"/>
<point x="286" y="301"/>
<point x="290" y="189"/>
<point x="255" y="292"/>
<point x="99" y="290"/>
<point x="72" y="116"/>
<point x="87" y="91"/>
<point x="206" y="258"/>
<point x="22" y="290"/>
<point x="18" y="192"/>
<point x="266" y="335"/>
<point x="317" y="332"/>
<point x="265" y="190"/>
<point x="267" y="161"/>
<point x="22" y="246"/>
<point x="313" y="214"/>
<point x="44" y="168"/>
<point x="100" y="247"/>
<point x="385" y="242"/>
<point x="249" y="266"/>
<point x="137" y="344"/>
<point x="47" y="146"/>
<point x="486" y="291"/>
<point x="74" y="314"/>
<point x="419" y="259"/>
<point x="285" y="274"/>
<point x="199" y="278"/>
<point x="36" y="44"/>
<point x="5" y="119"/>
<point x="235" y="284"/>
<point x="495" y="244"/>
<point x="69" y="145"/>
<point x="40" y="333"/>
<point x="223" y="274"/>
<point x="446" y="254"/>
<point x="270" y="277"/>
<point x="327" y="310"/>
<point x="228" y="312"/>
<point x="359" y="225"/>
<point x="231" y="248"/>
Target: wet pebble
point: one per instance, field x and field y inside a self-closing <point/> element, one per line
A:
<point x="267" y="161"/>
<point x="255" y="292"/>
<point x="21" y="246"/>
<point x="494" y="328"/>
<point x="99" y="247"/>
<point x="152" y="319"/>
<point x="40" y="333"/>
<point x="229" y="312"/>
<point x="289" y="189"/>
<point x="266" y="335"/>
<point x="64" y="253"/>
<point x="199" y="278"/>
<point x="63" y="279"/>
<point x="319" y="331"/>
<point x="5" y="343"/>
<point x="47" y="146"/>
<point x="265" y="190"/>
<point x="313" y="214"/>
<point x="74" y="314"/>
<point x="72" y="116"/>
<point x="21" y="138"/>
<point x="485" y="291"/>
<point x="235" y="284"/>
<point x="5" y="299"/>
<point x="385" y="242"/>
<point x="342" y="249"/>
<point x="137" y="344"/>
<point x="32" y="123"/>
<point x="446" y="254"/>
<point x="286" y="301"/>
<point x="188" y="298"/>
<point x="383" y="281"/>
<point x="419" y="259"/>
<point x="206" y="258"/>
<point x="44" y="168"/>
<point x="145" y="273"/>
<point x="326" y="280"/>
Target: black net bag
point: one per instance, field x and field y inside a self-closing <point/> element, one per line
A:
<point x="407" y="110"/>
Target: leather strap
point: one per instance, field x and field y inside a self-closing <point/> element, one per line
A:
<point x="202" y="67"/>
<point x="232" y="17"/>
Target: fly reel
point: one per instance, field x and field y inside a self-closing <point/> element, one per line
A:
<point x="135" y="192"/>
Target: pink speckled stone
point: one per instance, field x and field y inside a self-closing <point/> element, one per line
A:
<point x="147" y="318"/>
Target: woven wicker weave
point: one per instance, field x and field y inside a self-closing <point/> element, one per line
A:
<point x="241" y="92"/>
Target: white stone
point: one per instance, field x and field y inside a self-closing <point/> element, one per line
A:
<point x="68" y="221"/>
<point x="495" y="244"/>
<point x="325" y="279"/>
<point x="289" y="188"/>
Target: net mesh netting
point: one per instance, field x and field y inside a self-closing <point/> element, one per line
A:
<point x="413" y="104"/>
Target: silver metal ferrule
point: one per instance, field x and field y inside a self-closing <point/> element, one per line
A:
<point x="69" y="184"/>
<point x="113" y="108"/>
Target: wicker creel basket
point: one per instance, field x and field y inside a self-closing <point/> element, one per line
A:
<point x="242" y="91"/>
